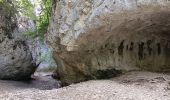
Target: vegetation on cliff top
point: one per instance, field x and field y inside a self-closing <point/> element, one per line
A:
<point x="40" y="11"/>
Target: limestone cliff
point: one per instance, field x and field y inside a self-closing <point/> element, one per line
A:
<point x="15" y="57"/>
<point x="91" y="37"/>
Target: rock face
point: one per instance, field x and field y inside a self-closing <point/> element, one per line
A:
<point x="15" y="57"/>
<point x="91" y="37"/>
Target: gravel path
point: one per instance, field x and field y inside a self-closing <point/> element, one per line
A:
<point x="131" y="86"/>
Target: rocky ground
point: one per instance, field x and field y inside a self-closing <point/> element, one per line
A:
<point x="130" y="86"/>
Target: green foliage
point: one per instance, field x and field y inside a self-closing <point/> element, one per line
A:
<point x="30" y="34"/>
<point x="9" y="6"/>
<point x="42" y="20"/>
<point x="44" y="17"/>
<point x="26" y="8"/>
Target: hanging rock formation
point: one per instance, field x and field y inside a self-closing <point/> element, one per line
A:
<point x="95" y="39"/>
<point x="15" y="57"/>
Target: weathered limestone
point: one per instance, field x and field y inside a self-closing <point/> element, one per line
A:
<point x="91" y="36"/>
<point x="15" y="57"/>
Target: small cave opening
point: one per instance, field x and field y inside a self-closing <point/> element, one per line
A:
<point x="159" y="48"/>
<point x="131" y="46"/>
<point x="12" y="58"/>
<point x="120" y="48"/>
<point x="149" y="42"/>
<point x="140" y="51"/>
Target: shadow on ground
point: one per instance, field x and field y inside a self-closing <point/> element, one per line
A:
<point x="40" y="80"/>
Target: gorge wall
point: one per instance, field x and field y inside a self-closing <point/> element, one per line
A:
<point x="15" y="57"/>
<point x="94" y="39"/>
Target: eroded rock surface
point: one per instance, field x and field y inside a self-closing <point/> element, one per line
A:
<point x="97" y="35"/>
<point x="15" y="57"/>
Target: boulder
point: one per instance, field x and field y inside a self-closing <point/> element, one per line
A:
<point x="15" y="57"/>
<point x="91" y="37"/>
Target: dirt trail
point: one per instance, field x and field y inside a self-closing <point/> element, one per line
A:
<point x="130" y="86"/>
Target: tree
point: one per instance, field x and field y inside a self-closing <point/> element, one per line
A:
<point x="27" y="8"/>
<point x="44" y="17"/>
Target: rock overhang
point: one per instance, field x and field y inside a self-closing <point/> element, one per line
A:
<point x="122" y="35"/>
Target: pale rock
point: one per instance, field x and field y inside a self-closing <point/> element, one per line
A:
<point x="15" y="57"/>
<point x="106" y="36"/>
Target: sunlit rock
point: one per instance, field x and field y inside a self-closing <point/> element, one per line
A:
<point x="91" y="36"/>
